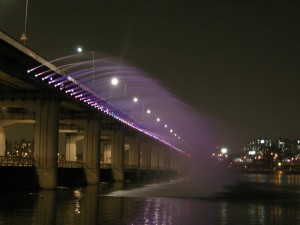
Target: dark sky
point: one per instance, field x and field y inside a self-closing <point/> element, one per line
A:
<point x="234" y="61"/>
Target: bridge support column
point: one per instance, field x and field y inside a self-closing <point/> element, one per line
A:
<point x="91" y="151"/>
<point x="143" y="152"/>
<point x="106" y="153"/>
<point x="161" y="157"/>
<point x="154" y="156"/>
<point x="167" y="159"/>
<point x="117" y="154"/>
<point x="2" y="139"/>
<point x="61" y="146"/>
<point x="134" y="152"/>
<point x="71" y="147"/>
<point x="135" y="155"/>
<point x="172" y="159"/>
<point x="46" y="143"/>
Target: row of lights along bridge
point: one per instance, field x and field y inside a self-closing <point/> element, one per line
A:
<point x="115" y="82"/>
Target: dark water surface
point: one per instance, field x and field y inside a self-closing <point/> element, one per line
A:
<point x="250" y="199"/>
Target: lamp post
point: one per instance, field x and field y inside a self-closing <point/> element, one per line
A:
<point x="24" y="36"/>
<point x="79" y="49"/>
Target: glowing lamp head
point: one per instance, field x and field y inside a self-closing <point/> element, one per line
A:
<point x="79" y="49"/>
<point x="224" y="151"/>
<point x="135" y="99"/>
<point x="148" y="111"/>
<point x="114" y="81"/>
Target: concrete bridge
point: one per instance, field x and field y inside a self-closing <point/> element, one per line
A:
<point x="69" y="132"/>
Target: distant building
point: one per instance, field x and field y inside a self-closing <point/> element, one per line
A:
<point x="295" y="146"/>
<point x="284" y="147"/>
<point x="22" y="148"/>
<point x="257" y="147"/>
<point x="265" y="150"/>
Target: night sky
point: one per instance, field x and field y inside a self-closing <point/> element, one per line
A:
<point x="236" y="62"/>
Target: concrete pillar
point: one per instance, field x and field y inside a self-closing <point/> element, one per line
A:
<point x="148" y="153"/>
<point x="2" y="138"/>
<point x="117" y="154"/>
<point x="127" y="151"/>
<point x="138" y="156"/>
<point x="91" y="151"/>
<point x="62" y="146"/>
<point x="145" y="154"/>
<point x="154" y="155"/>
<point x="134" y="154"/>
<point x="161" y="156"/>
<point x="167" y="159"/>
<point x="171" y="159"/>
<point x="134" y="151"/>
<point x="71" y="147"/>
<point x="106" y="152"/>
<point x="46" y="143"/>
<point x="175" y="160"/>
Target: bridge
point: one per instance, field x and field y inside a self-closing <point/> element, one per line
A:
<point x="74" y="127"/>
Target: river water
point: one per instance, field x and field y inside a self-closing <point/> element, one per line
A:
<point x="246" y="199"/>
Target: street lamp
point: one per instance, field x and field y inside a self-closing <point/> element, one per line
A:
<point x="79" y="49"/>
<point x="224" y="151"/>
<point x="24" y="36"/>
<point x="114" y="81"/>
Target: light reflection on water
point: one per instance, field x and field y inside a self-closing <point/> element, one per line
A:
<point x="165" y="203"/>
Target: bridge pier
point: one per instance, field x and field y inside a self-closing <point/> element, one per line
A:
<point x="161" y="157"/>
<point x="147" y="154"/>
<point x="71" y="148"/>
<point x="133" y="154"/>
<point x="2" y="138"/>
<point x="46" y="142"/>
<point x="91" y="151"/>
<point x="117" y="154"/>
<point x="154" y="155"/>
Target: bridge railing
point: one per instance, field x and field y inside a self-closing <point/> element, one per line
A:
<point x="29" y="162"/>
<point x="105" y="165"/>
<point x="16" y="161"/>
<point x="70" y="164"/>
<point x="131" y="166"/>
